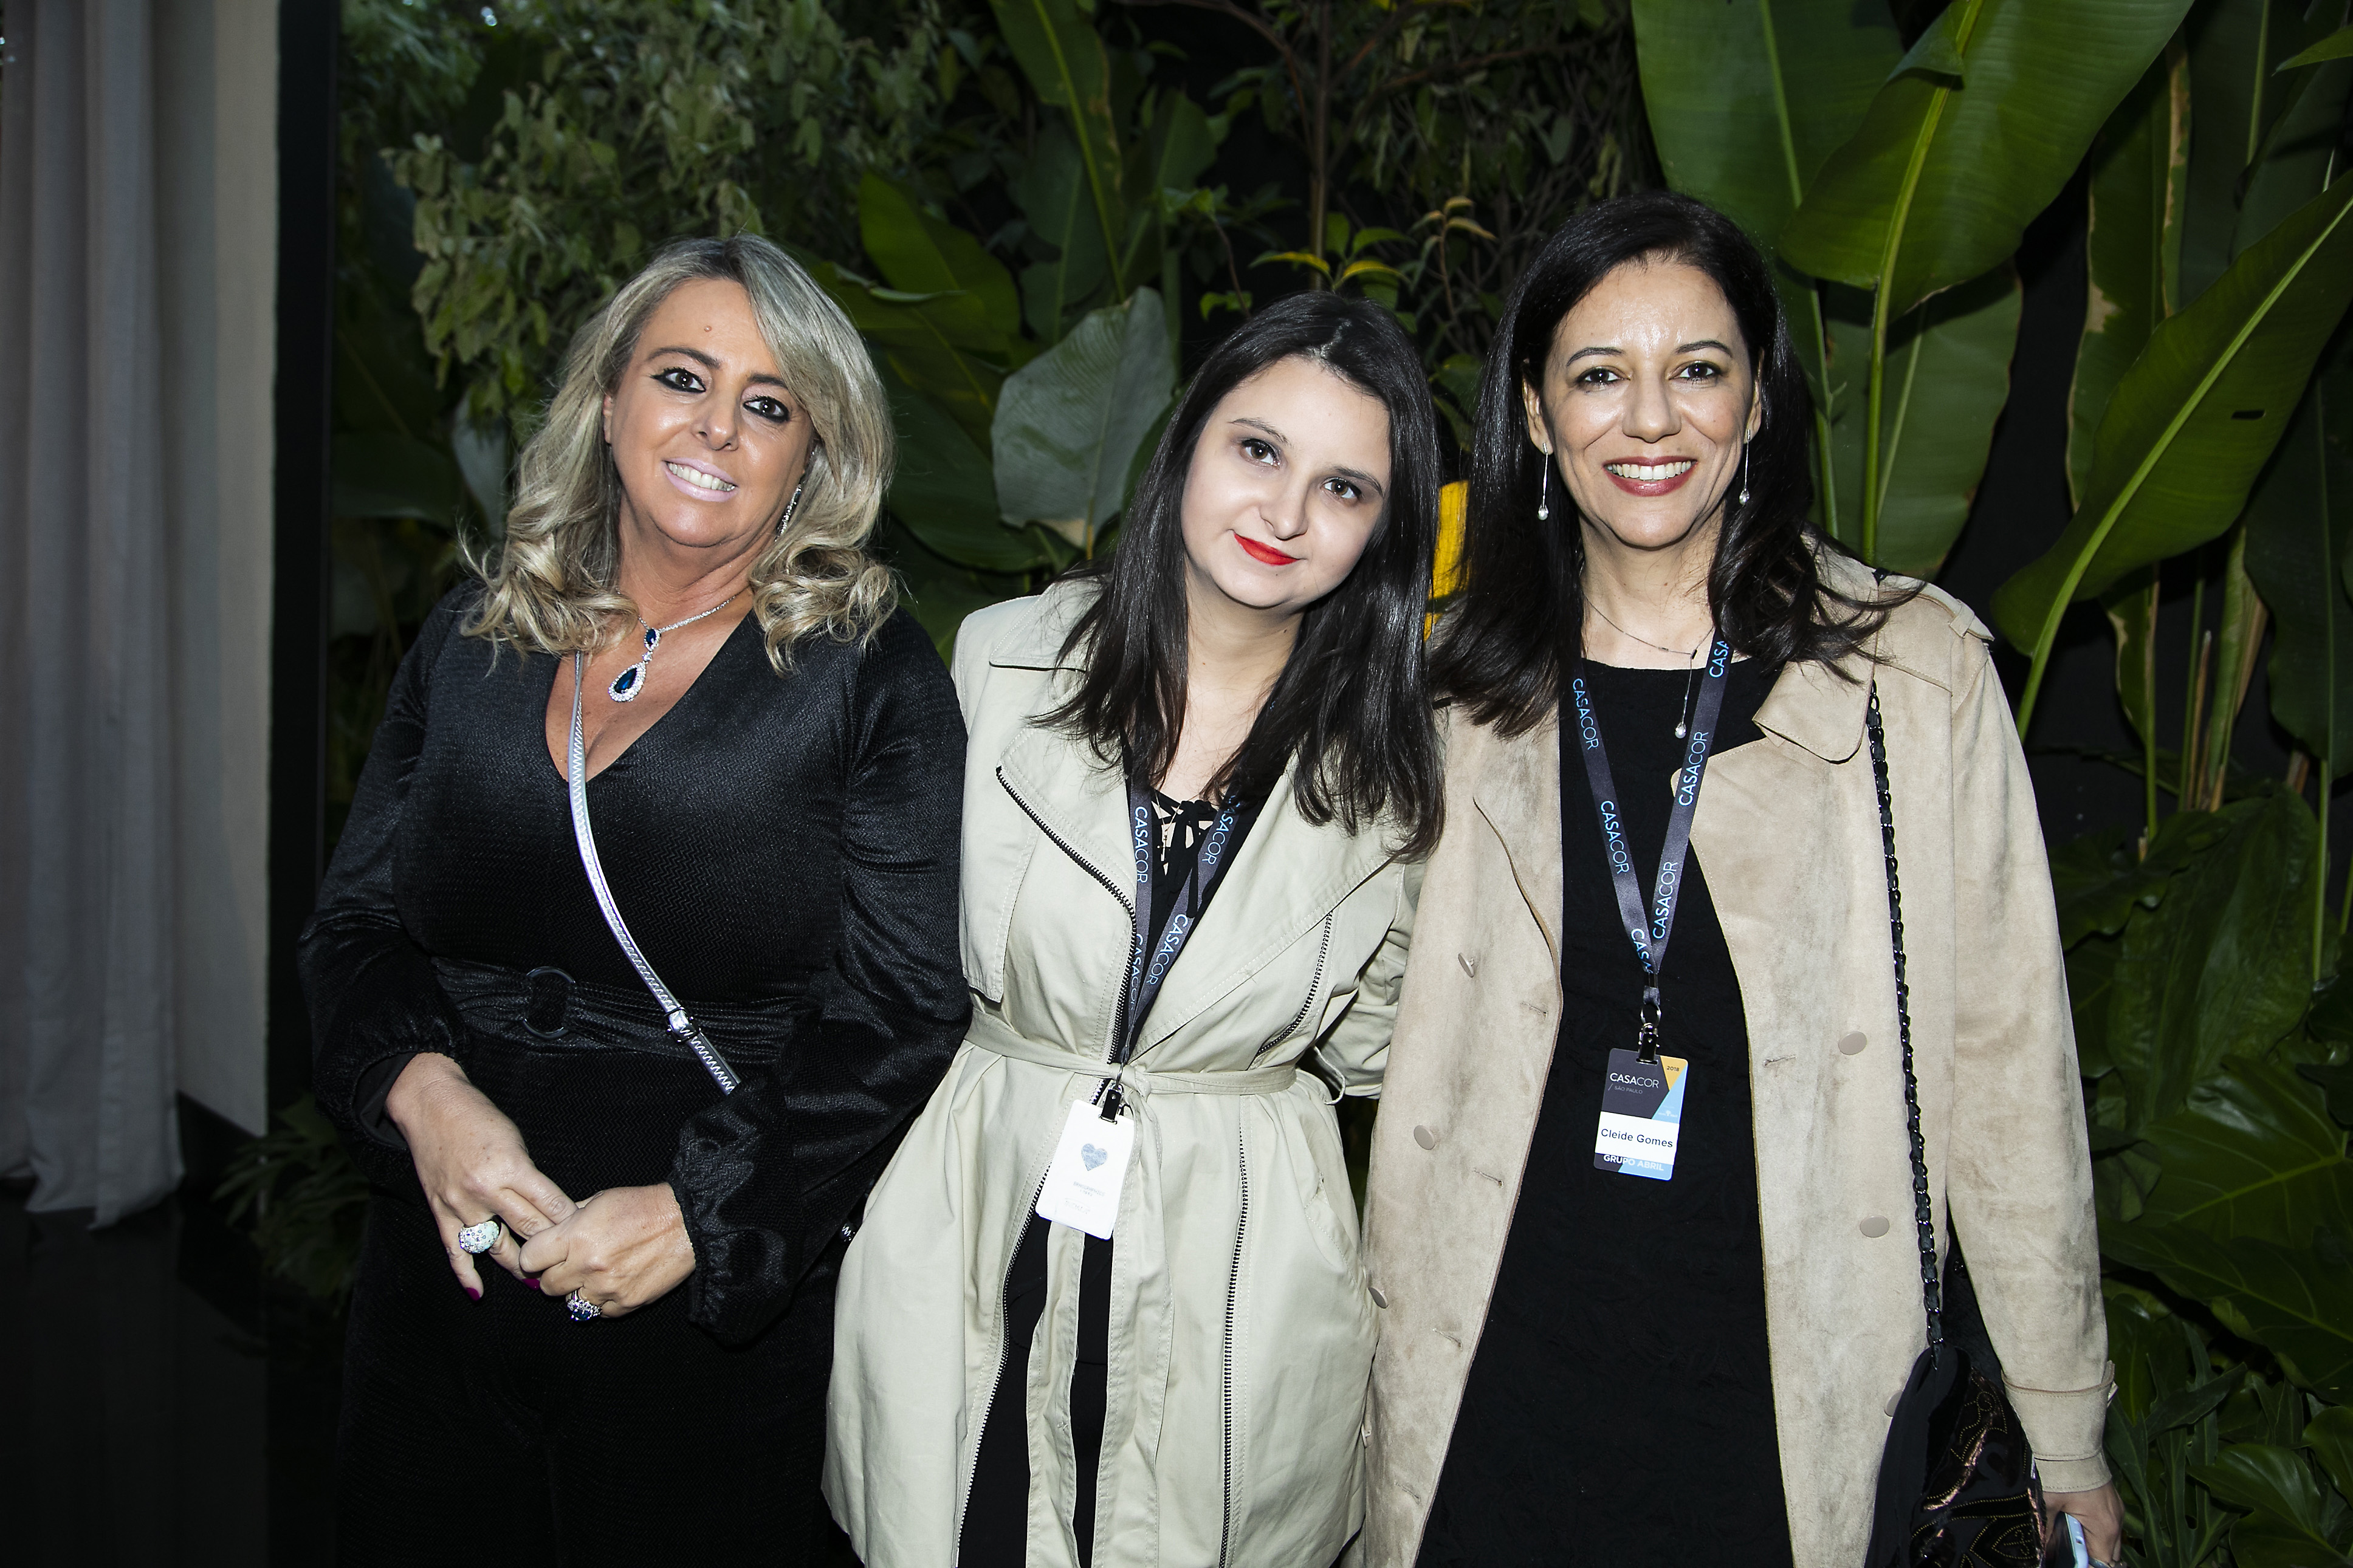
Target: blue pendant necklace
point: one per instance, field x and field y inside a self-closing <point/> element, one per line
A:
<point x="632" y="681"/>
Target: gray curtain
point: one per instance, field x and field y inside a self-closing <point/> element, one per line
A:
<point x="86" y="886"/>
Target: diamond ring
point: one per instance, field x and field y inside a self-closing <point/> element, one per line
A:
<point x="481" y="1237"/>
<point x="581" y="1308"/>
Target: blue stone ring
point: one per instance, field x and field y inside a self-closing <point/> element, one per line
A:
<point x="581" y="1308"/>
<point x="480" y="1238"/>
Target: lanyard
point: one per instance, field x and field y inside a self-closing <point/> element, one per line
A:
<point x="1651" y="930"/>
<point x="1148" y="961"/>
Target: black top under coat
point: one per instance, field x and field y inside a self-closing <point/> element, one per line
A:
<point x="1619" y="1407"/>
<point x="786" y="851"/>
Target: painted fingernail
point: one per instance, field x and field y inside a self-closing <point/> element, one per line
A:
<point x="530" y="1281"/>
<point x="477" y="1295"/>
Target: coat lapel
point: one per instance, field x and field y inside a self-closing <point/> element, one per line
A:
<point x="1517" y="789"/>
<point x="1079" y="803"/>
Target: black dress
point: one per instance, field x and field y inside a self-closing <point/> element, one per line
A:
<point x="785" y="852"/>
<point x="1620" y="1408"/>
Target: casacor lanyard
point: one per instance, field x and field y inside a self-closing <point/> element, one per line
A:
<point x="1651" y="930"/>
<point x="1148" y="961"/>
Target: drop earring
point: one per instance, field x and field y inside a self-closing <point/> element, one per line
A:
<point x="1544" y="490"/>
<point x="1743" y="473"/>
<point x="791" y="506"/>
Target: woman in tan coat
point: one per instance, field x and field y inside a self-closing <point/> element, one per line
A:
<point x="1641" y="1221"/>
<point x="1173" y="1372"/>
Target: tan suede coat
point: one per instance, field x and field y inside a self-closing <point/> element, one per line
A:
<point x="1787" y="833"/>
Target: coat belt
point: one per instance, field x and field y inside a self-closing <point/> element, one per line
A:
<point x="1138" y="1080"/>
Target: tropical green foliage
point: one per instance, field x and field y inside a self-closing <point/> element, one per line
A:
<point x="1895" y="183"/>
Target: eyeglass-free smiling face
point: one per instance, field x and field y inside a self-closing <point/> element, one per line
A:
<point x="708" y="440"/>
<point x="1647" y="397"/>
<point x="1288" y="480"/>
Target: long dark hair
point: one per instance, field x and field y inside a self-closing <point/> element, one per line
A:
<point x="1519" y="619"/>
<point x="1353" y="700"/>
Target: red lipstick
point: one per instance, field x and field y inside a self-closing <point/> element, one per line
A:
<point x="1266" y="554"/>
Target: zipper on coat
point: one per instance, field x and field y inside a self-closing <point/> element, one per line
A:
<point x="1004" y="1350"/>
<point x="1314" y="983"/>
<point x="1233" y="1296"/>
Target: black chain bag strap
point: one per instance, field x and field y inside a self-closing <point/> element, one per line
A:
<point x="1957" y="1483"/>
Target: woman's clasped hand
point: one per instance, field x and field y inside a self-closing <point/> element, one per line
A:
<point x="472" y="1164"/>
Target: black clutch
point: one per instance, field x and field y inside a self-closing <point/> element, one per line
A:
<point x="1956" y="1482"/>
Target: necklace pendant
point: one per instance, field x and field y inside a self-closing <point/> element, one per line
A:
<point x="653" y="638"/>
<point x="626" y="684"/>
<point x="1682" y="729"/>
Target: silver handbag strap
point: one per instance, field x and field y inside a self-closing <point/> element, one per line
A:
<point x="688" y="1031"/>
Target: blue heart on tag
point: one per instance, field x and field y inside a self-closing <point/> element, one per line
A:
<point x="1090" y="1156"/>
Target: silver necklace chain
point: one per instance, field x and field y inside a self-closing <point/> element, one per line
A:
<point x="632" y="681"/>
<point x="1682" y="712"/>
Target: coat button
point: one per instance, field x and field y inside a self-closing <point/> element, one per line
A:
<point x="1876" y="1226"/>
<point x="1378" y="1299"/>
<point x="1852" y="1043"/>
<point x="1470" y="965"/>
<point x="1426" y="1138"/>
<point x="1893" y="1400"/>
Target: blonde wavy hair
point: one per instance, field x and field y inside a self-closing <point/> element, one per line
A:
<point x="551" y="582"/>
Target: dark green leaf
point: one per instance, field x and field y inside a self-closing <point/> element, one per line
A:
<point x="2140" y="174"/>
<point x="1060" y="53"/>
<point x="2254" y="1153"/>
<point x="2194" y="420"/>
<point x="2337" y="1084"/>
<point x="943" y="492"/>
<point x="2293" y="1522"/>
<point x="2299" y="546"/>
<point x="1073" y="417"/>
<point x="2337" y="46"/>
<point x="2330" y="1437"/>
<point x="922" y="255"/>
<point x="2222" y="965"/>
<point x="1939" y="182"/>
<point x="2298" y="1302"/>
<point x="1947" y="379"/>
<point x="1052" y="191"/>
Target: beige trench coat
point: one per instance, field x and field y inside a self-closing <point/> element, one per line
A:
<point x="1787" y="833"/>
<point x="1241" y="1332"/>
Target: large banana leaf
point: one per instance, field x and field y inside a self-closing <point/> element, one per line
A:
<point x="921" y="255"/>
<point x="2131" y="607"/>
<point x="2295" y="1301"/>
<point x="1074" y="419"/>
<point x="943" y="492"/>
<point x="2221" y="967"/>
<point x="2254" y="1153"/>
<point x="2193" y="421"/>
<point x="2140" y="174"/>
<point x="1984" y="121"/>
<point x="1746" y="100"/>
<point x="2299" y="552"/>
<point x="1058" y="50"/>
<point x="1947" y="377"/>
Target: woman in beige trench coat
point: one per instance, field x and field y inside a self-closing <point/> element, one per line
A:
<point x="1645" y="396"/>
<point x="1192" y="1391"/>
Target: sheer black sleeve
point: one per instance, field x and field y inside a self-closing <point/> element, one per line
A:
<point x="769" y="1177"/>
<point x="375" y="1000"/>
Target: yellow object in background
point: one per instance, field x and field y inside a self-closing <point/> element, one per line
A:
<point x="1446" y="566"/>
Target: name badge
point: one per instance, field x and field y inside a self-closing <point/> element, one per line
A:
<point x="1083" y="1184"/>
<point x="1641" y="1116"/>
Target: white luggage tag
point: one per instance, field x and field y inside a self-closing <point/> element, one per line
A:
<point x="1083" y="1184"/>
